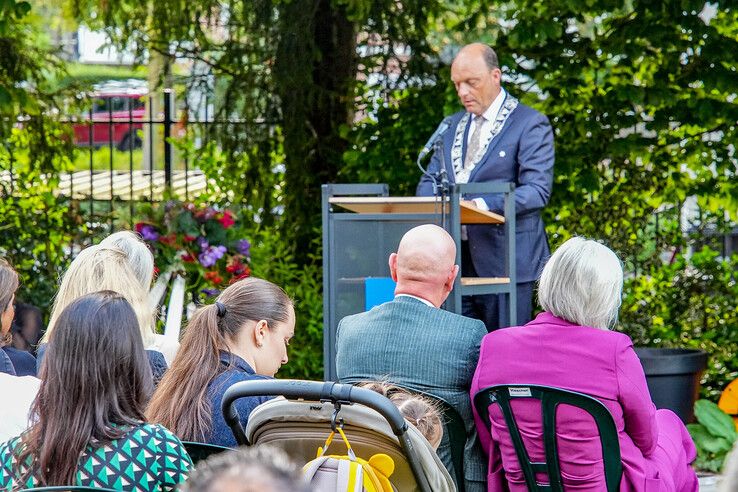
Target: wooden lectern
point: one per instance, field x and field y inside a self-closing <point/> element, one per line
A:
<point x="362" y="225"/>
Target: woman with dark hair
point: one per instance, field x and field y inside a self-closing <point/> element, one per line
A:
<point x="243" y="336"/>
<point x="90" y="428"/>
<point x="19" y="391"/>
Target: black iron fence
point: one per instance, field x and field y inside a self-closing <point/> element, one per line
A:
<point x="131" y="149"/>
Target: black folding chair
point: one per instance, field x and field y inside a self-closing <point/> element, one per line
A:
<point x="199" y="451"/>
<point x="550" y="399"/>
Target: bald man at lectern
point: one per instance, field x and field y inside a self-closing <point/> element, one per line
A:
<point x="496" y="139"/>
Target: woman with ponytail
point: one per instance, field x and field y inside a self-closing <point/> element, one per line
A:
<point x="241" y="337"/>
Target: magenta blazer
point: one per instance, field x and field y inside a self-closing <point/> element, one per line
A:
<point x="553" y="352"/>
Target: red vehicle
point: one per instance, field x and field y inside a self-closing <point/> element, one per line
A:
<point x="118" y="113"/>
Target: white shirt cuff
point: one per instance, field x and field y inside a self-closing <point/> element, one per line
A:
<point x="481" y="204"/>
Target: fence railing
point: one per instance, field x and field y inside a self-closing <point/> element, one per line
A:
<point x="127" y="153"/>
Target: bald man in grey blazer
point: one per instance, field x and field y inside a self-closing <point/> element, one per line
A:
<point x="411" y="342"/>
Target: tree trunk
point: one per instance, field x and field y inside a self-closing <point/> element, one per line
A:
<point x="315" y="72"/>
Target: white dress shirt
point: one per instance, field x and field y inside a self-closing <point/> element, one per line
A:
<point x="490" y="115"/>
<point x="426" y="302"/>
<point x="19" y="393"/>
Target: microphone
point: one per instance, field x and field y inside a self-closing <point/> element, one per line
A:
<point x="442" y="128"/>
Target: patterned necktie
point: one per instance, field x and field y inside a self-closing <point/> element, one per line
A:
<point x="473" y="147"/>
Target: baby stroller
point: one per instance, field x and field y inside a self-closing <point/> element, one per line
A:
<point x="371" y="423"/>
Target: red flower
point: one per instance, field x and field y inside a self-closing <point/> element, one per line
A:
<point x="156" y="270"/>
<point x="246" y="273"/>
<point x="189" y="238"/>
<point x="213" y="277"/>
<point x="227" y="219"/>
<point x="169" y="239"/>
<point x="188" y="258"/>
<point x="235" y="266"/>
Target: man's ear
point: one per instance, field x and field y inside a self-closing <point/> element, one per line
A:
<point x="451" y="277"/>
<point x="497" y="74"/>
<point x="393" y="266"/>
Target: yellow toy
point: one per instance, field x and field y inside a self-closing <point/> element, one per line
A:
<point x="349" y="473"/>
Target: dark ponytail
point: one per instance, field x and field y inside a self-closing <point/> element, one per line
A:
<point x="180" y="401"/>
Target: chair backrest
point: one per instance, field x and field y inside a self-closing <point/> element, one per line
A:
<point x="455" y="430"/>
<point x="175" y="306"/>
<point x="199" y="451"/>
<point x="454" y="427"/>
<point x="550" y="399"/>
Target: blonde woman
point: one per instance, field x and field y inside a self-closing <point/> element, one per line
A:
<point x="142" y="262"/>
<point x="106" y="268"/>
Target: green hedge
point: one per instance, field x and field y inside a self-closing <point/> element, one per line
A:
<point x="692" y="302"/>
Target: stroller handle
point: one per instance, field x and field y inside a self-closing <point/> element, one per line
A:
<point x="308" y="390"/>
<point x="323" y="391"/>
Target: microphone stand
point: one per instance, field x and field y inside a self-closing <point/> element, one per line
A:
<point x="444" y="187"/>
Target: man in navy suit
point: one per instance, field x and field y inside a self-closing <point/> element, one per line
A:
<point x="499" y="139"/>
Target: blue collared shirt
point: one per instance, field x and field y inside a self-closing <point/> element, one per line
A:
<point x="237" y="370"/>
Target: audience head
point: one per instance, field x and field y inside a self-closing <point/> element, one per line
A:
<point x="424" y="264"/>
<point x="103" y="268"/>
<point x="476" y="75"/>
<point x="582" y="283"/>
<point x="95" y="382"/>
<point x="140" y="257"/>
<point x="27" y="326"/>
<point x="253" y="319"/>
<point x="8" y="286"/>
<point x="257" y="469"/>
<point x="419" y="410"/>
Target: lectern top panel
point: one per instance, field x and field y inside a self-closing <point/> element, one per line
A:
<point x="413" y="205"/>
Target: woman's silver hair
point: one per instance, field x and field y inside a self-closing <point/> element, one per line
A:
<point x="139" y="255"/>
<point x="264" y="468"/>
<point x="103" y="268"/>
<point x="582" y="283"/>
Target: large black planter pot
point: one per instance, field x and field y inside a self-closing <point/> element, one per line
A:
<point x="673" y="377"/>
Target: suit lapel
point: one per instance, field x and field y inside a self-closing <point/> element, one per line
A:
<point x="448" y="144"/>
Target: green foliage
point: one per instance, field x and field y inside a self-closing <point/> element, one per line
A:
<point x="36" y="224"/>
<point x="384" y="145"/>
<point x="713" y="436"/>
<point x="272" y="259"/>
<point x="690" y="303"/>
<point x="81" y="74"/>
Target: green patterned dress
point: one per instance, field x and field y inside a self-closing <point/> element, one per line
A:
<point x="146" y="459"/>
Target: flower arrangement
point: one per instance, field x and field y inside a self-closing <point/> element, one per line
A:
<point x="200" y="242"/>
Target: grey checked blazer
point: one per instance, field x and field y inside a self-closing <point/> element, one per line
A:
<point x="424" y="349"/>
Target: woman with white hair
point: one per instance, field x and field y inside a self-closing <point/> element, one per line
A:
<point x="106" y="268"/>
<point x="142" y="263"/>
<point x="570" y="346"/>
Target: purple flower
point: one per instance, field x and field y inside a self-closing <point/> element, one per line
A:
<point x="202" y="243"/>
<point x="211" y="255"/>
<point x="210" y="292"/>
<point x="243" y="246"/>
<point x="148" y="232"/>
